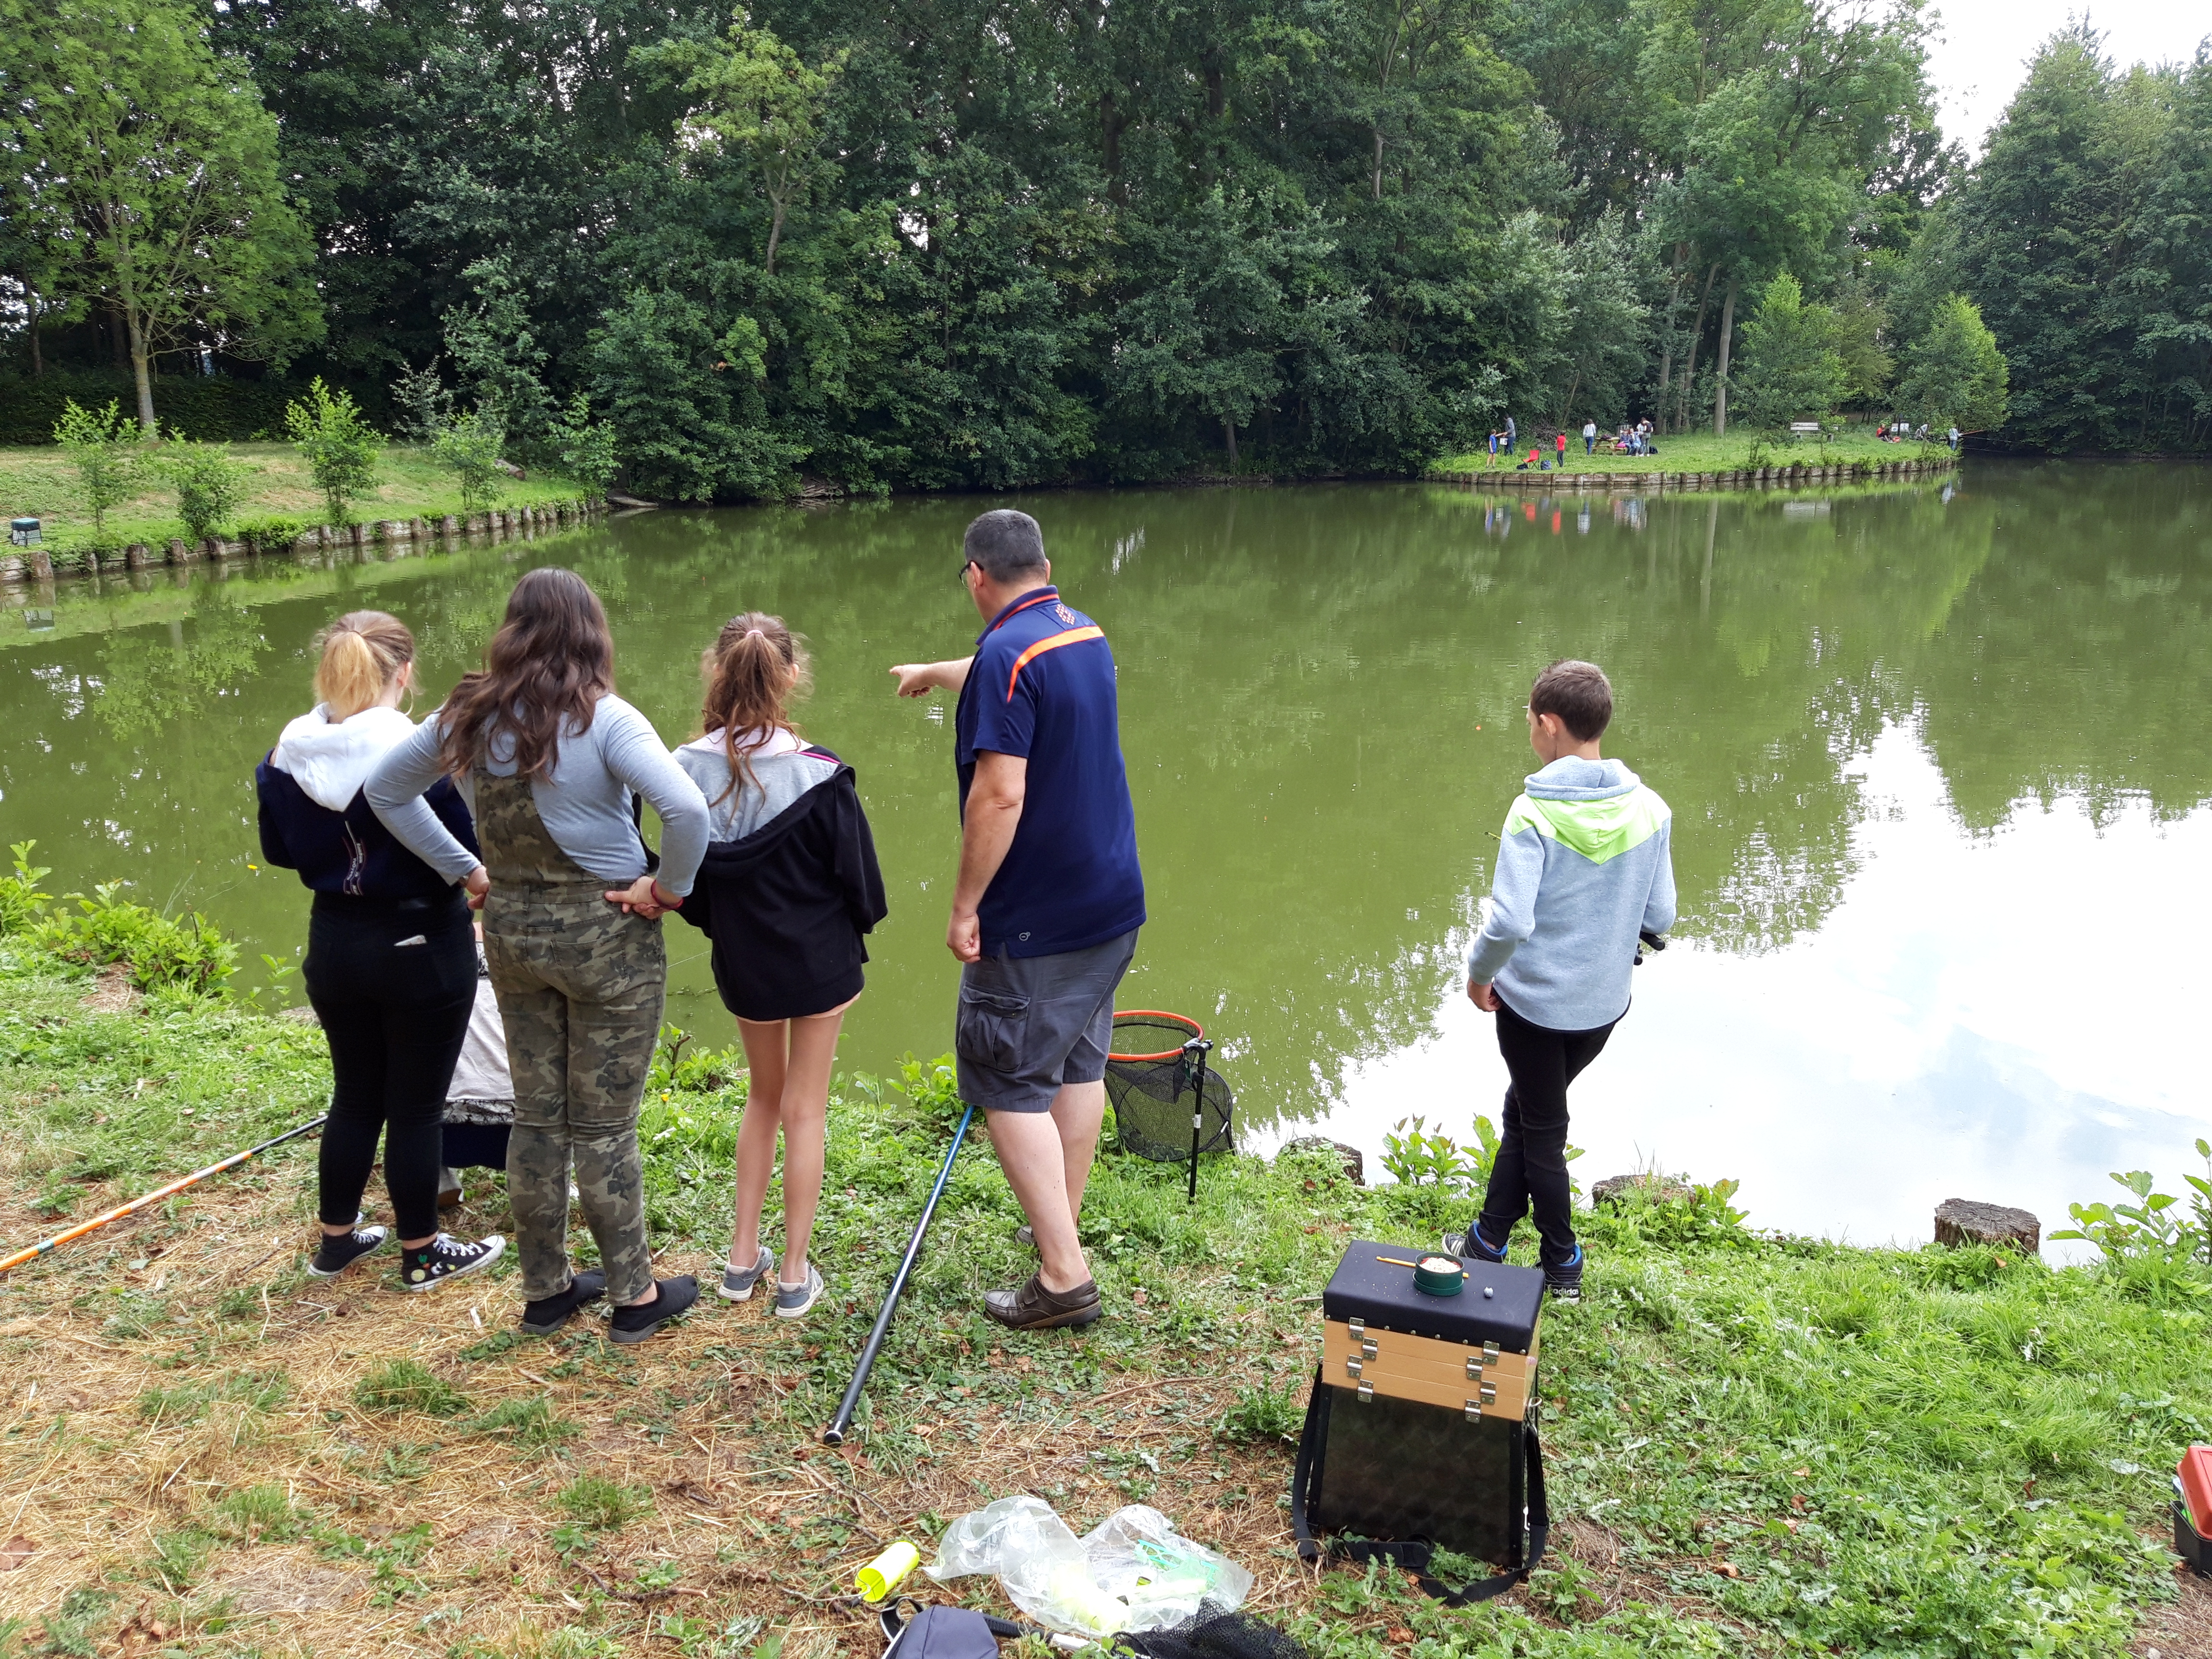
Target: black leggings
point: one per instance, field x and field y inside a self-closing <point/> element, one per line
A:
<point x="394" y="1013"/>
<point x="1532" y="1151"/>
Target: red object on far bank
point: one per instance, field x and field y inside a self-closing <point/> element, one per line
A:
<point x="2195" y="1472"/>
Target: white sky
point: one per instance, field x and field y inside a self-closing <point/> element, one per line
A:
<point x="1985" y="46"/>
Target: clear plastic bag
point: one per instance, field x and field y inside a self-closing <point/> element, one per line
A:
<point x="1034" y="1556"/>
<point x="1166" y="1579"/>
<point x="1134" y="1571"/>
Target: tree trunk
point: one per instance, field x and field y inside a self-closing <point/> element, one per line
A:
<point x="38" y="362"/>
<point x="1720" y="379"/>
<point x="145" y="382"/>
<point x="113" y="319"/>
<point x="1229" y="428"/>
<point x="774" y="231"/>
<point x="1696" y="339"/>
<point x="1378" y="164"/>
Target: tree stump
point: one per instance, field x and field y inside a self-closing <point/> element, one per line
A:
<point x="1354" y="1162"/>
<point x="1963" y="1221"/>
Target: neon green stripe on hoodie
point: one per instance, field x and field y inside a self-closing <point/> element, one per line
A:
<point x="1585" y="862"/>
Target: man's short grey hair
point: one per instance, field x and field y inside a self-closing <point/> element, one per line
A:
<point x="1005" y="543"/>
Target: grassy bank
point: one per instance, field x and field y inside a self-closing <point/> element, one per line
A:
<point x="40" y="482"/>
<point x="1700" y="451"/>
<point x="1759" y="1444"/>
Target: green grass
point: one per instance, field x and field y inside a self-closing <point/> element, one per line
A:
<point x="1787" y="1447"/>
<point x="1700" y="451"/>
<point x="40" y="482"/>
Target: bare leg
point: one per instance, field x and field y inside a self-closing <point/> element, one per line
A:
<point x="1078" y="1111"/>
<point x="766" y="1062"/>
<point x="804" y="1111"/>
<point x="1031" y="1153"/>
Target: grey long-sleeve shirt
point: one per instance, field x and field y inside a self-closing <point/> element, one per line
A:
<point x="584" y="798"/>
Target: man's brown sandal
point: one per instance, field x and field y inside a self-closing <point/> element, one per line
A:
<point x="1033" y="1308"/>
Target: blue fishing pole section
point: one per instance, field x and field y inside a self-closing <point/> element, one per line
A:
<point x="839" y="1424"/>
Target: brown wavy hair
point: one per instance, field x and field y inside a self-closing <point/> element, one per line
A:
<point x="544" y="670"/>
<point x="754" y="669"/>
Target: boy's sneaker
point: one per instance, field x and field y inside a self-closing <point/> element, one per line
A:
<point x="447" y="1257"/>
<point x="549" y="1313"/>
<point x="792" y="1301"/>
<point x="335" y="1255"/>
<point x="675" y="1300"/>
<point x="1565" y="1282"/>
<point x="738" y="1285"/>
<point x="1471" y="1246"/>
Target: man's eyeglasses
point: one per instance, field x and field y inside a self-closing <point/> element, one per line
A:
<point x="964" y="563"/>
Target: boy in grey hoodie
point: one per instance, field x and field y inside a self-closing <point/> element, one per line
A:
<point x="1583" y="867"/>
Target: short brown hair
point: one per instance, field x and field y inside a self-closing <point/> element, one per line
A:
<point x="1578" y="693"/>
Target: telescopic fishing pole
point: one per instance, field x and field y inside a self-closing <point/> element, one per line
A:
<point x="834" y="1434"/>
<point x="32" y="1252"/>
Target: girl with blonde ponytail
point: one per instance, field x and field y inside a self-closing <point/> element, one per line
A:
<point x="390" y="966"/>
<point x="788" y="887"/>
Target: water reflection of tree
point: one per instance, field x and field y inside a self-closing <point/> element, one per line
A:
<point x="146" y="680"/>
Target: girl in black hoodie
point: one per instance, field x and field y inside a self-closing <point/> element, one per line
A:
<point x="392" y="961"/>
<point x="789" y="886"/>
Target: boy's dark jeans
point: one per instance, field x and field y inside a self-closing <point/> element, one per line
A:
<point x="1532" y="1153"/>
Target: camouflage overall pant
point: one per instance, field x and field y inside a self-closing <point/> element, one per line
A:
<point x="581" y="989"/>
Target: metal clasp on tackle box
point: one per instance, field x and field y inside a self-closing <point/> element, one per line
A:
<point x="1366" y="1390"/>
<point x="1490" y="1353"/>
<point x="1351" y="1368"/>
<point x="1486" y="1396"/>
<point x="1367" y="1348"/>
<point x="1358" y="1329"/>
<point x="1474" y="1368"/>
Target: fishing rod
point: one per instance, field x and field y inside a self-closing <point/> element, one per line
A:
<point x="31" y="1253"/>
<point x="834" y="1434"/>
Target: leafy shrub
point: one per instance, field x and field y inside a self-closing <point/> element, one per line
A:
<point x="933" y="1087"/>
<point x="340" y="447"/>
<point x="586" y="448"/>
<point x="209" y="482"/>
<point x="103" y="446"/>
<point x="1416" y="1156"/>
<point x="2151" y="1228"/>
<point x="272" y="534"/>
<point x="160" y="951"/>
<point x="468" y="446"/>
<point x="21" y="904"/>
<point x="704" y="1072"/>
<point x="407" y="1385"/>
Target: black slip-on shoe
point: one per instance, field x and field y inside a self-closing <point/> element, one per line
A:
<point x="637" y="1323"/>
<point x="549" y="1313"/>
<point x="1033" y="1308"/>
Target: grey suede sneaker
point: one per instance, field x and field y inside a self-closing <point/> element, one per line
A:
<point x="738" y="1285"/>
<point x="792" y="1301"/>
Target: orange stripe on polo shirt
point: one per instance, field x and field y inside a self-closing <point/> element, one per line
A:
<point x="1050" y="642"/>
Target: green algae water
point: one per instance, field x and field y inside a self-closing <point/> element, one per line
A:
<point x="1938" y="757"/>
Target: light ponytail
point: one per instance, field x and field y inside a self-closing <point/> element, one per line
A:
<point x="754" y="669"/>
<point x="362" y="653"/>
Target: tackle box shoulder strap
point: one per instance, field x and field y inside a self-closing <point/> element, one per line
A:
<point x="1412" y="1555"/>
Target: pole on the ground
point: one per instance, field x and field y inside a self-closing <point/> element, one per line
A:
<point x="1194" y="1071"/>
<point x="834" y="1434"/>
<point x="31" y="1253"/>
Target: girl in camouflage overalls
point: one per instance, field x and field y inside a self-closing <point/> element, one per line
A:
<point x="553" y="763"/>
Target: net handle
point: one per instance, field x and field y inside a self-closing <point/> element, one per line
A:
<point x="1176" y="1053"/>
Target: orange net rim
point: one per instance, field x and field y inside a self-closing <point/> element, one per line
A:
<point x="1196" y="1031"/>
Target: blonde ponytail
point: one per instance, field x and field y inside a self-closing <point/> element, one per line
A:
<point x="362" y="653"/>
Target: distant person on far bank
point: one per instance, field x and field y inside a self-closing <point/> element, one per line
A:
<point x="1590" y="437"/>
<point x="1049" y="896"/>
<point x="1584" y="865"/>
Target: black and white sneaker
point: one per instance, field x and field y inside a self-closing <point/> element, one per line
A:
<point x="338" y="1253"/>
<point x="447" y="1257"/>
<point x="1563" y="1281"/>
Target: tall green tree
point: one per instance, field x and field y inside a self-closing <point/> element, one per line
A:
<point x="1791" y="369"/>
<point x="1954" y="372"/>
<point x="149" y="172"/>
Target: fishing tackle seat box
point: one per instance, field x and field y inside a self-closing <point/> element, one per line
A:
<point x="1421" y="1432"/>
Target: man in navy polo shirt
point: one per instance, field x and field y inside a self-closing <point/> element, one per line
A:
<point x="1049" y="898"/>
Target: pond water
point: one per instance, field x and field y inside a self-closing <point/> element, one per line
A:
<point x="1938" y="757"/>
